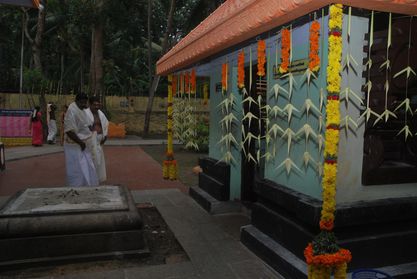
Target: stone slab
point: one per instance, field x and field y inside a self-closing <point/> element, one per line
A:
<point x="65" y="200"/>
<point x="75" y="224"/>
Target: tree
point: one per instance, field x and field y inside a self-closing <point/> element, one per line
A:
<point x="96" y="65"/>
<point x="156" y="78"/>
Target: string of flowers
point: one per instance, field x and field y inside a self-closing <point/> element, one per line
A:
<point x="314" y="58"/>
<point x="193" y="82"/>
<point x="285" y="50"/>
<point x="241" y="70"/>
<point x="181" y="84"/>
<point x="205" y="93"/>
<point x="261" y="58"/>
<point x="323" y="256"/>
<point x="187" y="82"/>
<point x="224" y="77"/>
<point x="169" y="169"/>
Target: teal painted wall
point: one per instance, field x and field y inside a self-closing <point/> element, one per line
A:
<point x="216" y="149"/>
<point x="307" y="180"/>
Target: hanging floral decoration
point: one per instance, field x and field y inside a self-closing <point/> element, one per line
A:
<point x="261" y="58"/>
<point x="182" y="84"/>
<point x="174" y="85"/>
<point x="241" y="70"/>
<point x="314" y="58"/>
<point x="323" y="256"/>
<point x="169" y="168"/>
<point x="224" y="77"/>
<point x="193" y="82"/>
<point x="187" y="82"/>
<point x="205" y="93"/>
<point x="285" y="50"/>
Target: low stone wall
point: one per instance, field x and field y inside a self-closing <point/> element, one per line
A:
<point x="127" y="110"/>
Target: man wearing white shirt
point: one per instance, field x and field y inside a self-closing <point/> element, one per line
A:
<point x="78" y="145"/>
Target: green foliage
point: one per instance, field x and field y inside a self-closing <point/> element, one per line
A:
<point x="202" y="138"/>
<point x="66" y="43"/>
<point x="325" y="243"/>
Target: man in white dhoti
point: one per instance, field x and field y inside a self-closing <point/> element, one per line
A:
<point x="51" y="121"/>
<point x="78" y="145"/>
<point x="100" y="129"/>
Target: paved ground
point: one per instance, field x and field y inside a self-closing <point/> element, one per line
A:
<point x="211" y="242"/>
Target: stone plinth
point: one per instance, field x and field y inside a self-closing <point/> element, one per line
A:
<point x="41" y="225"/>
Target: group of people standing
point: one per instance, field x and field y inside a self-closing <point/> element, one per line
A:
<point x="85" y="128"/>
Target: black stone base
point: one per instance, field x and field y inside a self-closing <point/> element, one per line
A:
<point x="215" y="178"/>
<point x="380" y="234"/>
<point x="212" y="205"/>
<point x="274" y="254"/>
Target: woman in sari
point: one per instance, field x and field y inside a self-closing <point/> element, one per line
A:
<point x="36" y="126"/>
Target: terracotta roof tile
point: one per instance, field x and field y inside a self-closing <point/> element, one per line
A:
<point x="238" y="20"/>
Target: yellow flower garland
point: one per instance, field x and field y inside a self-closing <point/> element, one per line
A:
<point x="169" y="167"/>
<point x="321" y="266"/>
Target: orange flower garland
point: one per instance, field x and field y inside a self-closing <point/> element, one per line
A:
<point x="181" y="83"/>
<point x="193" y="81"/>
<point x="174" y="85"/>
<point x="285" y="50"/>
<point x="187" y="82"/>
<point x="241" y="70"/>
<point x="224" y="77"/>
<point x="314" y="58"/>
<point x="261" y="58"/>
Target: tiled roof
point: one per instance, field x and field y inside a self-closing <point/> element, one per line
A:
<point x="238" y="20"/>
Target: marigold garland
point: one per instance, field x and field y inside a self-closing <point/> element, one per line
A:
<point x="314" y="58"/>
<point x="261" y="58"/>
<point x="321" y="264"/>
<point x="187" y="82"/>
<point x="193" y="82"/>
<point x="241" y="70"/>
<point x="181" y="83"/>
<point x="224" y="77"/>
<point x="174" y="85"/>
<point x="167" y="168"/>
<point x="285" y="50"/>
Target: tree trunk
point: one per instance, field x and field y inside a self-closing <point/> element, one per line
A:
<point x="96" y="65"/>
<point x="157" y="77"/>
<point x="149" y="42"/>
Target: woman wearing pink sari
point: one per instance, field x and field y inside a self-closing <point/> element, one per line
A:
<point x="36" y="126"/>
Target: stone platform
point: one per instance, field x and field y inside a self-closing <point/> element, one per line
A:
<point x="46" y="225"/>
